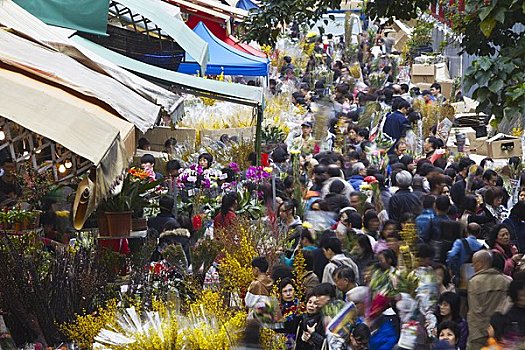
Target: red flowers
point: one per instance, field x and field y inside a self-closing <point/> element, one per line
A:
<point x="197" y="222"/>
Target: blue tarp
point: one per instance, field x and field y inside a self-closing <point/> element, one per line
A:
<point x="224" y="58"/>
<point x="246" y="5"/>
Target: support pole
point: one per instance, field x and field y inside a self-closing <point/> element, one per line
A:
<point x="258" y="133"/>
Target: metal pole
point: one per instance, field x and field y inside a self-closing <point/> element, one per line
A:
<point x="258" y="133"/>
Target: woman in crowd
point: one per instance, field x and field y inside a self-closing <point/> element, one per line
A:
<point x="499" y="242"/>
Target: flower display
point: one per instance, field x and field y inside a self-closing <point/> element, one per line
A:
<point x="257" y="174"/>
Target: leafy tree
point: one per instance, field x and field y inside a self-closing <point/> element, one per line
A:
<point x="493" y="30"/>
<point x="266" y="23"/>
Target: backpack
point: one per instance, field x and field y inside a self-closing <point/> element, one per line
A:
<point x="466" y="270"/>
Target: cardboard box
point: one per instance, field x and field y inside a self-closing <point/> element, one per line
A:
<point x="159" y="134"/>
<point x="479" y="146"/>
<point x="423" y="86"/>
<point x="401" y="41"/>
<point x="424" y="69"/>
<point x="504" y="146"/>
<point x="425" y="79"/>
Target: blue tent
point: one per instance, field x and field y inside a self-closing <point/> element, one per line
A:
<point x="246" y="5"/>
<point x="224" y="58"/>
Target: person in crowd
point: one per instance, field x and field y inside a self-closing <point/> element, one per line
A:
<point x="173" y="234"/>
<point x="345" y="280"/>
<point x="448" y="332"/>
<point x="444" y="278"/>
<point x="513" y="321"/>
<point x="403" y="200"/>
<point x="362" y="254"/>
<point x="396" y="123"/>
<point x="165" y="216"/>
<point x="290" y="310"/>
<point x="516" y="224"/>
<point x="449" y="306"/>
<point x="435" y="89"/>
<point x="486" y="294"/>
<point x="144" y="144"/>
<point x="463" y="249"/>
<point x="499" y="242"/>
<point x="424" y="220"/>
<point x="310" y="279"/>
<point x="310" y="330"/>
<point x="333" y="252"/>
<point x="147" y="163"/>
<point x="371" y="224"/>
<point x="205" y="161"/>
<point x="458" y="189"/>
<point x="226" y="216"/>
<point x="493" y="208"/>
<point x="260" y="289"/>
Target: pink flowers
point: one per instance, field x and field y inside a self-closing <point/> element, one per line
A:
<point x="235" y="167"/>
<point x="256" y="174"/>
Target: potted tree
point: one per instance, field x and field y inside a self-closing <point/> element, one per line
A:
<point x="116" y="212"/>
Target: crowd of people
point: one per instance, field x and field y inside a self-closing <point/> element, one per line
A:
<point x="427" y="247"/>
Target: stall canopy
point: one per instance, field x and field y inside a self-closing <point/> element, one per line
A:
<point x="52" y="41"/>
<point x="246" y="5"/>
<point x="156" y="13"/>
<point x="69" y="120"/>
<point x="225" y="59"/>
<point x="236" y="43"/>
<point x="89" y="16"/>
<point x="248" y="95"/>
<point x="64" y="70"/>
<point x="235" y="13"/>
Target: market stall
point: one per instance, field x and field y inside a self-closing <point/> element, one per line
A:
<point x="225" y="59"/>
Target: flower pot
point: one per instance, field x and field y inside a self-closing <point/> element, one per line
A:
<point x="119" y="223"/>
<point x="140" y="224"/>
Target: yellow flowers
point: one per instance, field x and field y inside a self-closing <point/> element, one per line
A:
<point x="62" y="213"/>
<point x="517" y="132"/>
<point x="84" y="329"/>
<point x="267" y="49"/>
<point x="268" y="169"/>
<point x="236" y="266"/>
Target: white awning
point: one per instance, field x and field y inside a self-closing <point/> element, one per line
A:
<point x="66" y="71"/>
<point x="14" y="17"/>
<point x="80" y="126"/>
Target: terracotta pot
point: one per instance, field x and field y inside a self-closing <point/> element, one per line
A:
<point x="140" y="224"/>
<point x="119" y="223"/>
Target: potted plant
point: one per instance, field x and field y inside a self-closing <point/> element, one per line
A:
<point x="19" y="219"/>
<point x="116" y="212"/>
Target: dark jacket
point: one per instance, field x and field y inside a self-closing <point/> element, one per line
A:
<point x="457" y="191"/>
<point x="403" y="201"/>
<point x="395" y="125"/>
<point x="159" y="222"/>
<point x="316" y="339"/>
<point x="320" y="261"/>
<point x="518" y="231"/>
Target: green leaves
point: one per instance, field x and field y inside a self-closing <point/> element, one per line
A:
<point x="265" y="24"/>
<point x="487" y="26"/>
<point x="496" y="86"/>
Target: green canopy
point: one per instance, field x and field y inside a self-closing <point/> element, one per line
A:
<point x="90" y="16"/>
<point x="244" y="94"/>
